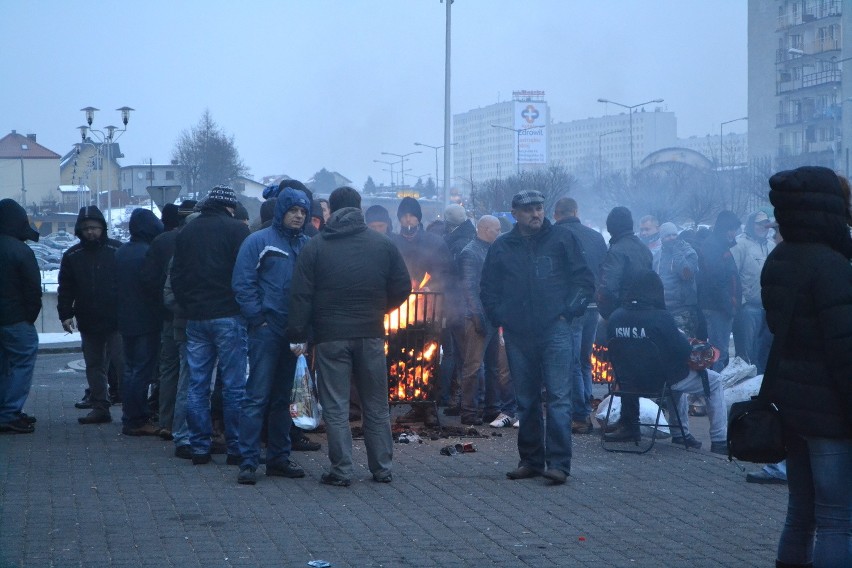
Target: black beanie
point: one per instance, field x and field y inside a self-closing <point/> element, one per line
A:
<point x="377" y="213"/>
<point x="619" y="221"/>
<point x="411" y="206"/>
<point x="726" y="221"/>
<point x="170" y="216"/>
<point x="267" y="209"/>
<point x="646" y="290"/>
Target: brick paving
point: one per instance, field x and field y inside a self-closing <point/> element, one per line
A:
<point x="74" y="495"/>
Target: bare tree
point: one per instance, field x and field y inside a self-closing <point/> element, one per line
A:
<point x="495" y="195"/>
<point x="208" y="155"/>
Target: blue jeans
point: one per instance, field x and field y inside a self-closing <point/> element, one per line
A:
<point x="584" y="331"/>
<point x="140" y="364"/>
<point x="180" y="430"/>
<point x="18" y="348"/>
<point x="752" y="338"/>
<point x="206" y="340"/>
<point x="543" y="361"/>
<point x="717" y="412"/>
<point x="719" y="326"/>
<point x="818" y="528"/>
<point x="270" y="383"/>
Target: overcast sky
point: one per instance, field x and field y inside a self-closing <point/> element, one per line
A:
<point x="306" y="84"/>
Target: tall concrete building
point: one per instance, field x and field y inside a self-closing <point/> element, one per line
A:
<point x="799" y="94"/>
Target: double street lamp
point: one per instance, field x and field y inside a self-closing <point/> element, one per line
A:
<point x="436" y="148"/>
<point x="391" y="164"/>
<point x="107" y="138"/>
<point x="518" y="132"/>
<point x="630" y="111"/>
<point x="402" y="158"/>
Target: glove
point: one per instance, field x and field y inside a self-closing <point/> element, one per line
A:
<point x="576" y="305"/>
<point x="299" y="348"/>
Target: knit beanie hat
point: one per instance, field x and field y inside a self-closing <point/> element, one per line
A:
<point x="667" y="229"/>
<point x="411" y="206"/>
<point x="455" y="215"/>
<point x="170" y="216"/>
<point x="377" y="213"/>
<point x="222" y="195"/>
<point x="619" y="221"/>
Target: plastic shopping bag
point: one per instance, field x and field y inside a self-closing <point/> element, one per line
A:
<point x="305" y="408"/>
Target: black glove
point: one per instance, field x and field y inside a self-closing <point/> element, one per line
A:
<point x="576" y="305"/>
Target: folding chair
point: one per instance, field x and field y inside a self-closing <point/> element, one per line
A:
<point x="643" y="380"/>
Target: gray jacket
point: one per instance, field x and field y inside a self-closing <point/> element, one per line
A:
<point x="677" y="269"/>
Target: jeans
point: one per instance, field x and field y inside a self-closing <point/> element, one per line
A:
<point x="180" y="429"/>
<point x="584" y="332"/>
<point x="543" y="361"/>
<point x="140" y="362"/>
<point x="270" y="383"/>
<point x="777" y="470"/>
<point x="18" y="349"/>
<point x="818" y="528"/>
<point x="169" y="375"/>
<point x="716" y="410"/>
<point x="206" y="340"/>
<point x="719" y="334"/>
<point x="752" y="338"/>
<point x="479" y="349"/>
<point x="361" y="360"/>
<point x="97" y="354"/>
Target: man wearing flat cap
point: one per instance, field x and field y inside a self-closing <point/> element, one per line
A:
<point x="535" y="282"/>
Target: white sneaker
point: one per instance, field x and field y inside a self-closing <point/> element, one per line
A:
<point x="516" y="424"/>
<point x="502" y="421"/>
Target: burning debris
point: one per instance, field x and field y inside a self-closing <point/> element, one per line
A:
<point x="601" y="367"/>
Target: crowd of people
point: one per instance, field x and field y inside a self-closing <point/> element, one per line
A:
<point x="196" y="298"/>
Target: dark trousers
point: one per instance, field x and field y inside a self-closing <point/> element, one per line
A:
<point x="96" y="353"/>
<point x="169" y="373"/>
<point x="140" y="363"/>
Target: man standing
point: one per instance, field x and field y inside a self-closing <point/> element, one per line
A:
<point x="261" y="283"/>
<point x="139" y="323"/>
<point x="346" y="280"/>
<point x="627" y="255"/>
<point x="87" y="293"/>
<point x="649" y="233"/>
<point x="594" y="249"/>
<point x="20" y="303"/>
<point x="205" y="254"/>
<point x="535" y="281"/>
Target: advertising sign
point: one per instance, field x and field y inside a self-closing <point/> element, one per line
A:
<point x="531" y="136"/>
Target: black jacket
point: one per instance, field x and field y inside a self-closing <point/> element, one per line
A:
<point x="425" y="253"/>
<point x="627" y="256"/>
<point x="87" y="288"/>
<point x="139" y="308"/>
<point x="155" y="268"/>
<point x="205" y="254"/>
<point x="347" y="278"/>
<point x="813" y="382"/>
<point x="456" y="240"/>
<point x="528" y="283"/>
<point x="591" y="241"/>
<point x="20" y="279"/>
<point x="719" y="286"/>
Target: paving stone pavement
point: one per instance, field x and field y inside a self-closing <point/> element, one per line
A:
<point x="80" y="496"/>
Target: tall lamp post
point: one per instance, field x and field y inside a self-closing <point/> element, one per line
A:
<point x="630" y="112"/>
<point x="391" y="164"/>
<point x="517" y="132"/>
<point x="112" y="134"/>
<point x="600" y="151"/>
<point x="436" y="148"/>
<point x="402" y="158"/>
<point x="721" y="161"/>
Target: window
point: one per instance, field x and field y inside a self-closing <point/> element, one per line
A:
<point x="149" y="175"/>
<point x="170" y="175"/>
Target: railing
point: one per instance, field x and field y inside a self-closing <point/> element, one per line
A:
<point x="821" y="77"/>
<point x="828" y="9"/>
<point x="822" y="45"/>
<point x="787" y="118"/>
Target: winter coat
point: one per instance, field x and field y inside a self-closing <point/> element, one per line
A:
<point x="265" y="265"/>
<point x="425" y="253"/>
<point x="87" y="287"/>
<point x="471" y="261"/>
<point x="591" y="241"/>
<point x="155" y="269"/>
<point x="719" y="286"/>
<point x="20" y="279"/>
<point x="139" y="307"/>
<point x="457" y="240"/>
<point x="678" y="268"/>
<point x="810" y="271"/>
<point x="528" y="283"/>
<point x="643" y="319"/>
<point x="205" y="254"/>
<point x="749" y="254"/>
<point x="347" y="278"/>
<point x="627" y="255"/>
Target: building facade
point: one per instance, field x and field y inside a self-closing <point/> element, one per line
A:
<point x="29" y="172"/>
<point x="799" y="91"/>
<point x="136" y="179"/>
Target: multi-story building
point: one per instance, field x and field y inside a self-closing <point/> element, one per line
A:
<point x="796" y="95"/>
<point x="29" y="172"/>
<point x="733" y="148"/>
<point x="136" y="179"/>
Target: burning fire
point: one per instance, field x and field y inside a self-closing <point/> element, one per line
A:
<point x="601" y="367"/>
<point x="410" y="311"/>
<point x="413" y="372"/>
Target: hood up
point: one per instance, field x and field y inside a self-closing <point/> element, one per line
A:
<point x="14" y="222"/>
<point x="144" y="225"/>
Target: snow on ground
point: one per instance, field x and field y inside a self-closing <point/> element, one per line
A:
<point x="61" y="337"/>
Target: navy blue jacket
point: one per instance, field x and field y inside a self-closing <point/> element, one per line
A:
<point x="138" y="308"/>
<point x="591" y="241"/>
<point x="719" y="287"/>
<point x="20" y="279"/>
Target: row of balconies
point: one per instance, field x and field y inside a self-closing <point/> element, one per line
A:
<point x="827" y="9"/>
<point x="813" y="47"/>
<point x="787" y="83"/>
<point x="808" y="147"/>
<point x="831" y="112"/>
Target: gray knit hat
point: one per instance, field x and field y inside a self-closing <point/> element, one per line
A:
<point x="222" y="195"/>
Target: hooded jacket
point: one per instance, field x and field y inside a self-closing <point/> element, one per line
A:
<point x="678" y="268"/>
<point x="529" y="282"/>
<point x="20" y="279"/>
<point x="627" y="255"/>
<point x="139" y="308"/>
<point x="205" y="254"/>
<point x="347" y="278"/>
<point x="456" y="240"/>
<point x="265" y="265"/>
<point x="719" y="285"/>
<point x="591" y="241"/>
<point x="87" y="287"/>
<point x="750" y="254"/>
<point x="807" y="279"/>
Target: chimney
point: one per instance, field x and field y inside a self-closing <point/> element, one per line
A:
<point x="14" y="131"/>
<point x="31" y="137"/>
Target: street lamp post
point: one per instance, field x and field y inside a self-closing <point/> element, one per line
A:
<point x="391" y="164"/>
<point x="436" y="148"/>
<point x="630" y="112"/>
<point x="517" y="132"/>
<point x="721" y="161"/>
<point x="106" y="138"/>
<point x="402" y="158"/>
<point x="600" y="151"/>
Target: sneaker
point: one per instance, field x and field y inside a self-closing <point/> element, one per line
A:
<point x="624" y="434"/>
<point x="516" y="423"/>
<point x="17" y="426"/>
<point x="234" y="459"/>
<point x="523" y="472"/>
<point x="556" y="476"/>
<point x="287" y="469"/>
<point x="304" y="444"/>
<point x="247" y="476"/>
<point x="719" y="448"/>
<point x="147" y="429"/>
<point x="502" y="421"/>
<point x="200" y="459"/>
<point x="329" y="479"/>
<point x="183" y="452"/>
<point x="85" y="402"/>
<point x="689" y="442"/>
<point x="764" y="478"/>
<point x="96" y="417"/>
<point x="582" y="426"/>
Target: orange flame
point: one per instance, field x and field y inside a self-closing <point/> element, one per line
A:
<point x="601" y="367"/>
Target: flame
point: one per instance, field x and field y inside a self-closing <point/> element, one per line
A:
<point x="426" y="278"/>
<point x="601" y="367"/>
<point x="412" y="372"/>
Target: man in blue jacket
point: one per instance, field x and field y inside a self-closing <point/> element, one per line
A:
<point x="535" y="282"/>
<point x="261" y="284"/>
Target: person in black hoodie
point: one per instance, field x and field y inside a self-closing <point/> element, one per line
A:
<point x="139" y="322"/>
<point x="346" y="280"/>
<point x="20" y="303"/>
<point x="627" y="256"/>
<point x="806" y="288"/>
<point x="87" y="294"/>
